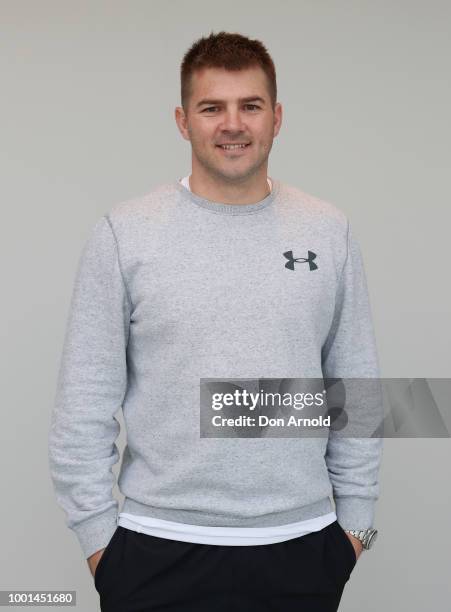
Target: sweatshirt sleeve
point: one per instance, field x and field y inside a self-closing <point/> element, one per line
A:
<point x="90" y="389"/>
<point x="350" y="352"/>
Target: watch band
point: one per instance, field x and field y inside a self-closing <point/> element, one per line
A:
<point x="366" y="536"/>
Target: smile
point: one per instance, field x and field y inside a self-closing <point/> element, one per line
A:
<point x="233" y="147"/>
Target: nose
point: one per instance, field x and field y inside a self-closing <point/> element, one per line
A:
<point x="232" y="121"/>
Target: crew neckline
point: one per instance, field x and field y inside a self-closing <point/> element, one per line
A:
<point x="229" y="209"/>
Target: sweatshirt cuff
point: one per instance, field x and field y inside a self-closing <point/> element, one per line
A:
<point x="95" y="533"/>
<point x="355" y="513"/>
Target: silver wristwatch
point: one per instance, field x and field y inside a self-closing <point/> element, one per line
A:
<point x="366" y="536"/>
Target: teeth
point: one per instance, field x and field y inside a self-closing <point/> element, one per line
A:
<point x="234" y="146"/>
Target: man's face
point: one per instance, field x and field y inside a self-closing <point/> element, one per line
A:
<point x="228" y="107"/>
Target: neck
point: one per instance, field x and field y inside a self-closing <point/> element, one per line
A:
<point x="253" y="190"/>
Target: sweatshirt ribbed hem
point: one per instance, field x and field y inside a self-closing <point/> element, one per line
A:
<point x="355" y="512"/>
<point x="95" y="533"/>
<point x="194" y="517"/>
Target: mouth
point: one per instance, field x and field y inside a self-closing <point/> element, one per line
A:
<point x="234" y="147"/>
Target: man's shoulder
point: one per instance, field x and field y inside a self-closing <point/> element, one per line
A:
<point x="311" y="207"/>
<point x="138" y="207"/>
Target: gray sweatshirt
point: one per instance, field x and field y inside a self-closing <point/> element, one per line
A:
<point x="171" y="288"/>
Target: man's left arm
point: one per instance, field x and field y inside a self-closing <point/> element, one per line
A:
<point x="350" y="352"/>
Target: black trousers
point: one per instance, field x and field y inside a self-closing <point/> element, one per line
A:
<point x="139" y="573"/>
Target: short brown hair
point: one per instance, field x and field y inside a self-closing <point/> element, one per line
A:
<point x="228" y="50"/>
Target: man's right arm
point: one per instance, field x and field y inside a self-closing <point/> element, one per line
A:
<point x="91" y="385"/>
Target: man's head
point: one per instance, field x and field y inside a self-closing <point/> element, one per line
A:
<point x="228" y="95"/>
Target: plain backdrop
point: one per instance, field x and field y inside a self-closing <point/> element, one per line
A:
<point x="87" y="110"/>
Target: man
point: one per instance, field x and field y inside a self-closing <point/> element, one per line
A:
<point x="225" y="273"/>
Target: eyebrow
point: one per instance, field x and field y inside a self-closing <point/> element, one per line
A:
<point x="248" y="99"/>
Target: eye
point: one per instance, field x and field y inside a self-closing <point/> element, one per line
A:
<point x="212" y="108"/>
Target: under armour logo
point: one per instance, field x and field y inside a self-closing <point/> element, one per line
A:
<point x="292" y="260"/>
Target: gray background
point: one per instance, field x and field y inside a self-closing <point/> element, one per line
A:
<point x="89" y="91"/>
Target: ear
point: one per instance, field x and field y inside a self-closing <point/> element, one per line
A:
<point x="277" y="118"/>
<point x="182" y="122"/>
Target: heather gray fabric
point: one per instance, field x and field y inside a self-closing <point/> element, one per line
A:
<point x="170" y="288"/>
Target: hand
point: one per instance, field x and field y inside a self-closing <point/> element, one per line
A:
<point x="357" y="544"/>
<point x="93" y="561"/>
